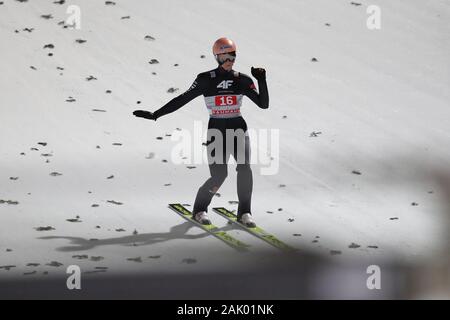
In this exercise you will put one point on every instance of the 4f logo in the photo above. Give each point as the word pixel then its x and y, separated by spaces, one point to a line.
pixel 225 84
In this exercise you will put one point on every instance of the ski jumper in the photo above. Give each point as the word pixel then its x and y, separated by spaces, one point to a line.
pixel 223 92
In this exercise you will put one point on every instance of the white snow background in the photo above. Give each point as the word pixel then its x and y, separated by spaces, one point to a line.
pixel 380 99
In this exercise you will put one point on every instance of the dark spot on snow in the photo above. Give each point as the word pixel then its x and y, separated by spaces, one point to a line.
pixel 176 65
pixel 167 184
pixel 233 202
pixel 9 202
pixel 55 174
pixel 414 204
pixel 70 99
pixel 95 205
pixel 98 110
pixel 94 271
pixel 90 78
pixel 61 2
pixel 28 30
pixel 270 212
pixel 297 234
pixel 115 202
pixel 315 134
pixel 108 91
pixel 191 167
pixel 125 17
pixel 110 3
pixel 327 24
pixel 32 67
pixel 7 268
pixel 159 138
pixel 335 252
pixel 149 38
pixel 116 144
pixel 151 155
pixel 314 60
pixel 101 268
pixel 110 177
pixel 372 247
pixel 355 3
pixel 138 259
pixel 164 160
pixel 172 90
pixel 13 178
pixel 120 230
pixel 47 16
pixel 315 241
pixel 50 54
pixel 354 245
pixel 33 264
pixel 74 220
pixel 153 61
pixel 9 250
pixel 189 261
pixel 48 228
pixel 80 257
pixel 80 41
pixel 356 172
pixel 280 209
pixel 202 56
pixel 29 273
pixel 97 258
pixel 42 143
pixel 49 46
pixel 291 220
pixel 393 218
pixel 54 264
pixel 154 257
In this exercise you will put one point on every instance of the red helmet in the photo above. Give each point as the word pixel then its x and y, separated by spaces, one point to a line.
pixel 223 45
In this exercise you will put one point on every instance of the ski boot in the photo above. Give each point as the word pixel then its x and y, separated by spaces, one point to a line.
pixel 202 218
pixel 246 220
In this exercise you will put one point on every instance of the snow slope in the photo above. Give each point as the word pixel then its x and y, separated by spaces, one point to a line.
pixel 378 97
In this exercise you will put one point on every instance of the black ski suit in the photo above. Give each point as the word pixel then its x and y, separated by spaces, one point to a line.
pixel 223 91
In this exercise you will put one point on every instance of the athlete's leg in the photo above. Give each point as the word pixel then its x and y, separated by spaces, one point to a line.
pixel 244 174
pixel 210 187
pixel 217 168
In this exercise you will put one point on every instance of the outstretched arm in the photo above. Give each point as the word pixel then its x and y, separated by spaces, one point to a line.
pixel 261 99
pixel 176 103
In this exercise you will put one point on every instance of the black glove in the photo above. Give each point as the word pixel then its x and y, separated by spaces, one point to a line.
pixel 259 73
pixel 144 114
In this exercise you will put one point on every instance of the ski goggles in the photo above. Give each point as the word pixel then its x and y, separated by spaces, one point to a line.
pixel 224 57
